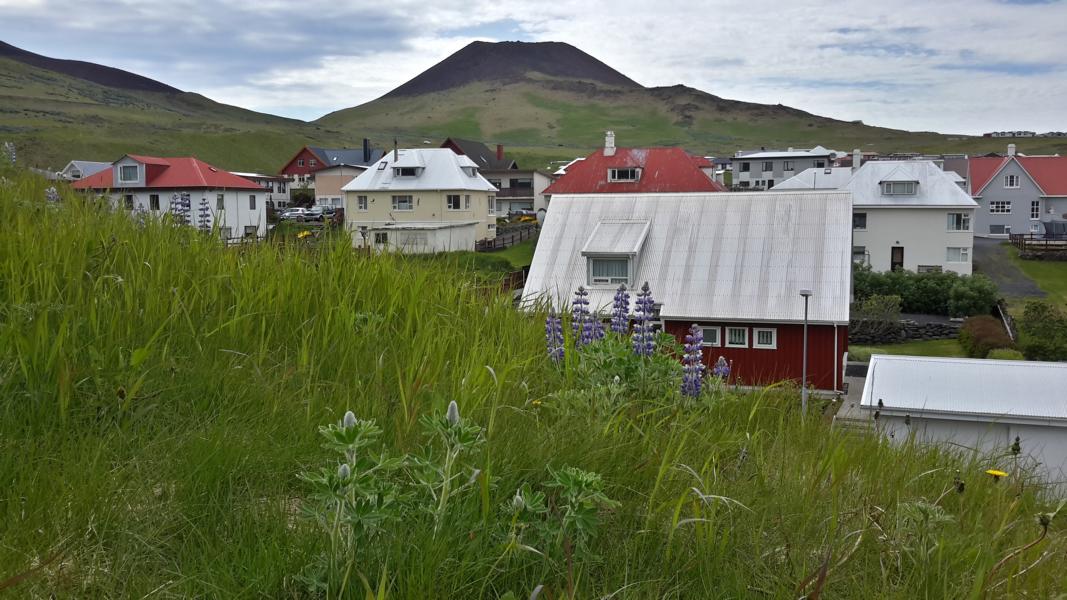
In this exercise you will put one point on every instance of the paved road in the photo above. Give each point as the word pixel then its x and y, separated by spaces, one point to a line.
pixel 991 259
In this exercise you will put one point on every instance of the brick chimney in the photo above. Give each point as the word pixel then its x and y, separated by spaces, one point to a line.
pixel 609 143
pixel 500 151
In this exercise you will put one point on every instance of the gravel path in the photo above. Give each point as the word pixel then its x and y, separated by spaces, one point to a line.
pixel 991 259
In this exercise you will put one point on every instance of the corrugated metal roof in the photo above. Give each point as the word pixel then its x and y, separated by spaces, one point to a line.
pixel 966 386
pixel 178 173
pixel 617 237
pixel 816 152
pixel 936 189
pixel 443 171
pixel 722 256
pixel 662 170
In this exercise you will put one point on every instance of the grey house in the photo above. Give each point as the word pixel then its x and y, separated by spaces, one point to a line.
pixel 761 169
pixel 1018 194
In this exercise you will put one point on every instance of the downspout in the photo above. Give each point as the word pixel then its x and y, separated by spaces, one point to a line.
pixel 836 380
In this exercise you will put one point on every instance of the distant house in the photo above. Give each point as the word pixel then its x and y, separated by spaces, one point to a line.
pixel 613 170
pixel 77 169
pixel 761 169
pixel 976 404
pixel 732 263
pixel 905 214
pixel 160 185
pixel 276 187
pixel 421 200
pixel 330 183
pixel 518 189
pixel 1018 194
pixel 301 168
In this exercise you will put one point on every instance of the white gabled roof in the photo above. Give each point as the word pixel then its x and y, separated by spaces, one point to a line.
pixel 967 387
pixel 617 237
pixel 936 189
pixel 710 256
pixel 442 170
pixel 816 152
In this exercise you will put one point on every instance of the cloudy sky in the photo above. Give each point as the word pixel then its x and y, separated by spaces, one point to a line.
pixel 955 66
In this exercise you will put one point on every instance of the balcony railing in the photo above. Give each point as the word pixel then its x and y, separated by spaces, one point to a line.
pixel 515 192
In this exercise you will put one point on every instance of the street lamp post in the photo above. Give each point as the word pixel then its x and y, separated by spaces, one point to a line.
pixel 806 293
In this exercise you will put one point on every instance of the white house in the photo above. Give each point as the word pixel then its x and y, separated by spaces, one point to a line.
pixel 275 186
pixel 906 214
pixel 420 200
pixel 77 169
pixel 236 206
pixel 978 404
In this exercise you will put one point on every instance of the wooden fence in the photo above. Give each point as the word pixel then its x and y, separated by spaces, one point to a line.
pixel 508 238
pixel 1036 242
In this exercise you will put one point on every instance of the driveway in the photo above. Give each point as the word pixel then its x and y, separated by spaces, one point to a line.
pixel 991 259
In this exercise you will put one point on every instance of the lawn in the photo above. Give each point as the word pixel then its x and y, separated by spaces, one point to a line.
pixel 161 399
pixel 520 255
pixel 949 347
pixel 1050 276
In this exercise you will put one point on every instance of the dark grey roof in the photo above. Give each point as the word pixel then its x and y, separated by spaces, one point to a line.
pixel 481 155
pixel 346 156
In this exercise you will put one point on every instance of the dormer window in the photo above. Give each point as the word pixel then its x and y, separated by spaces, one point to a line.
pixel 128 173
pixel 623 175
pixel 609 271
pixel 406 171
pixel 899 188
pixel 471 171
pixel 612 252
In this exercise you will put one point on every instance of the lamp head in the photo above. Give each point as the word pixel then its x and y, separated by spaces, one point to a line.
pixel 805 292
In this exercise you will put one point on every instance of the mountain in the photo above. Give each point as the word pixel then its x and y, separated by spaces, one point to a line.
pixel 58 110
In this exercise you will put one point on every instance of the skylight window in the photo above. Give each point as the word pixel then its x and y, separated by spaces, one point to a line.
pixel 382 165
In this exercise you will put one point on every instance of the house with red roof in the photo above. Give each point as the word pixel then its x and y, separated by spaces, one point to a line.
pixel 187 187
pixel 1019 194
pixel 612 170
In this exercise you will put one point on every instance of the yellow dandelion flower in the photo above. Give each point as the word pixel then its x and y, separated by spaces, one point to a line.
pixel 303 234
pixel 536 403
pixel 996 474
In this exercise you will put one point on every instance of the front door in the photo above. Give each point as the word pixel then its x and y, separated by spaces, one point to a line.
pixel 896 258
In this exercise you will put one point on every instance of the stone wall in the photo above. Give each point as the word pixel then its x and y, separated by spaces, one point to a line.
pixel 907 330
pixel 1052 255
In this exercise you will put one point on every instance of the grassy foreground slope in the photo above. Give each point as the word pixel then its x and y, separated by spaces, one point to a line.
pixel 159 394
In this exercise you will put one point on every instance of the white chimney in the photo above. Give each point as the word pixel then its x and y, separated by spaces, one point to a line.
pixel 857 158
pixel 1011 149
pixel 609 143
pixel 790 149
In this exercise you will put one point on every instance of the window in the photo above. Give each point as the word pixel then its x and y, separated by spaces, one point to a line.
pixel 787 165
pixel 768 166
pixel 406 171
pixel 766 339
pixel 403 203
pixel 382 165
pixel 737 337
pixel 1011 181
pixel 452 202
pixel 128 173
pixel 1000 207
pixel 492 205
pixel 361 203
pixel 743 184
pixel 220 201
pixel 252 202
pixel 958 255
pixel 522 184
pixel 999 229
pixel 313 162
pixel 928 269
pixel 153 201
pixel 1035 228
pixel 381 237
pixel 299 162
pixel 627 174
pixel 820 164
pixel 225 232
pixel 611 271
pixel 494 182
pixel 467 202
pixel 959 222
pixel 1035 210
pixel 859 221
pixel 745 167
pixel 128 201
pixel 711 337
pixel 492 226
pixel 898 188
pixel 251 231
pixel 859 254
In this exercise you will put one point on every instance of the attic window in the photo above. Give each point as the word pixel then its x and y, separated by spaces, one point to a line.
pixel 609 271
pixel 406 171
pixel 470 171
pixel 899 188
pixel 128 173
pixel 613 250
pixel 624 175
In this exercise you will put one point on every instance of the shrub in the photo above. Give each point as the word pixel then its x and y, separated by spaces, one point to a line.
pixel 1005 354
pixel 1043 332
pixel 981 334
pixel 876 316
pixel 974 295
pixel 945 293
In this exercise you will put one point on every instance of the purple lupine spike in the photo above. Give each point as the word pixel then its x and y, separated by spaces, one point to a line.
pixel 721 368
pixel 10 153
pixel 643 337
pixel 598 329
pixel 179 208
pixel 52 194
pixel 581 321
pixel 693 362
pixel 620 311
pixel 554 336
pixel 203 217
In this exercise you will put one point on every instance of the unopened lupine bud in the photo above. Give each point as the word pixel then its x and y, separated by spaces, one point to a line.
pixel 344 471
pixel 453 413
pixel 349 420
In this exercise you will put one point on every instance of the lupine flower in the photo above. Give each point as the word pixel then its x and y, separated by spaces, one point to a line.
pixel 554 336
pixel 598 328
pixel 349 420
pixel 203 217
pixel 180 207
pixel 9 152
pixel 343 472
pixel 722 368
pixel 581 322
pixel 692 362
pixel 643 336
pixel 452 415
pixel 620 311
pixel 51 194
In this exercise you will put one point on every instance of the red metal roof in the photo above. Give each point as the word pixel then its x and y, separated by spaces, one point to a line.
pixel 663 170
pixel 176 173
pixel 982 169
pixel 1050 173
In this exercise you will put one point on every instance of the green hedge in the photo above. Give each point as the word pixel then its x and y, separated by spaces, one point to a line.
pixel 1043 331
pixel 945 293
pixel 1005 354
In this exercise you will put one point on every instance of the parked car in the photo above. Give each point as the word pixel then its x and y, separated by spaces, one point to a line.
pixel 328 212
pixel 315 213
pixel 293 214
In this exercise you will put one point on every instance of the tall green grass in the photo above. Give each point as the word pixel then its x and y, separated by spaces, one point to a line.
pixel 159 394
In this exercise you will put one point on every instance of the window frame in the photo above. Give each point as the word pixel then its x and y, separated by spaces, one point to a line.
pixel 746 167
pixel 396 203
pixel 381 238
pixel 729 343
pixel 136 174
pixel 608 281
pixel 964 255
pixel 448 202
pixel 466 201
pixel 858 214
pixel 362 204
pixel 910 188
pixel 1001 204
pixel 251 231
pixel 299 162
pixel 220 201
pixel 613 175
pixel 406 171
pixel 963 218
pixel 129 201
pixel 717 343
pixel 1035 210
pixel 862 253
pixel 1012 182
pixel 774 338
pixel 789 165
pixel 768 166
pixel 153 202
pixel 492 205
pixel 251 202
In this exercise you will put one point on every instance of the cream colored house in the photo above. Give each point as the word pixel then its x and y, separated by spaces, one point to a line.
pixel 420 200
